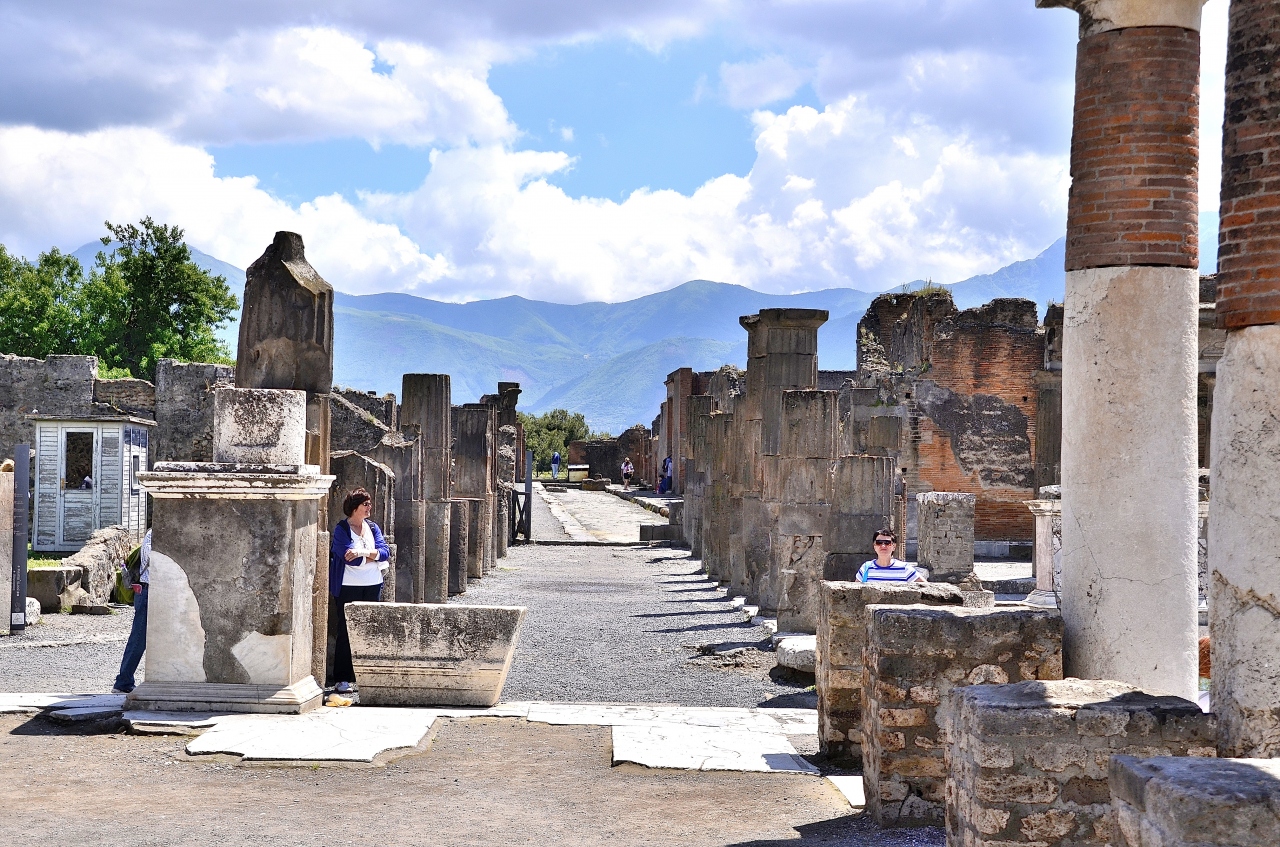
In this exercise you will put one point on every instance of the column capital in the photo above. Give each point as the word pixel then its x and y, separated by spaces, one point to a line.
pixel 1104 15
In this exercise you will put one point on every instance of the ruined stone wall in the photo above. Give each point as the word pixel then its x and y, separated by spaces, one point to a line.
pixel 604 456
pixel 58 385
pixel 384 408
pixel 135 396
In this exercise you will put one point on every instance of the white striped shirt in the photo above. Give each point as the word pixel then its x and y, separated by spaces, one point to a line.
pixel 896 572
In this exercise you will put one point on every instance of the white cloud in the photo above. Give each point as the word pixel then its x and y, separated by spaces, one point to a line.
pixel 749 85
pixel 566 133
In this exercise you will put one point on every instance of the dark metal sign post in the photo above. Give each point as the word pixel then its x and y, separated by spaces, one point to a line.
pixel 21 491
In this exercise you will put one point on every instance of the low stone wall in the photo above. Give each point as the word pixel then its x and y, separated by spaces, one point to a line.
pixel 100 558
pixel 842 636
pixel 1028 762
pixel 1192 802
pixel 916 655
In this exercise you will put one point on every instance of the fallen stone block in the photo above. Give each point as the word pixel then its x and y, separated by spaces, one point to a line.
pixel 595 485
pixel 1027 763
pixel 46 584
pixel 1195 802
pixel 424 654
pixel 33 611
pixel 797 652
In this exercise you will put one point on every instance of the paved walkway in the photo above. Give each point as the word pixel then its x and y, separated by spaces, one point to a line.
pixel 597 515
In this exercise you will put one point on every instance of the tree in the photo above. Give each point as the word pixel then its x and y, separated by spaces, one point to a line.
pixel 39 303
pixel 143 300
pixel 146 300
pixel 551 432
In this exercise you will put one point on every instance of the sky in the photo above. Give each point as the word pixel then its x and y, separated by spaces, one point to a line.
pixel 563 150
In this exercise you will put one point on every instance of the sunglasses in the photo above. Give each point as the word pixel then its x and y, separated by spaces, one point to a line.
pixel 884 542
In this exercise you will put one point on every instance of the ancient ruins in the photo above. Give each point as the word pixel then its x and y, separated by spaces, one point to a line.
pixel 1123 444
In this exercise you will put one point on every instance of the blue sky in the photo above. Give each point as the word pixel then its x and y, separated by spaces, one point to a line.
pixel 566 150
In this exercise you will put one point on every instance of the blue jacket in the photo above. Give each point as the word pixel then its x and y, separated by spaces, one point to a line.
pixel 341 543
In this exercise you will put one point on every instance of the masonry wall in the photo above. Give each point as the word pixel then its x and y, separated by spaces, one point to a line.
pixel 184 410
pixel 58 385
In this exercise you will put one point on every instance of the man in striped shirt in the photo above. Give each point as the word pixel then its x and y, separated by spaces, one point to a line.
pixel 885 568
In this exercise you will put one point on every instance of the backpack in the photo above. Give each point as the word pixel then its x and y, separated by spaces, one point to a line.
pixel 133 565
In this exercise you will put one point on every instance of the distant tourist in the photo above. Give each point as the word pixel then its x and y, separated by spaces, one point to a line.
pixel 885 568
pixel 555 465
pixel 138 571
pixel 627 470
pixel 358 556
pixel 665 486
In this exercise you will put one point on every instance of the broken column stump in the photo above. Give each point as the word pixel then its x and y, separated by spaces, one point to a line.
pixel 915 656
pixel 842 636
pixel 1028 762
pixel 946 534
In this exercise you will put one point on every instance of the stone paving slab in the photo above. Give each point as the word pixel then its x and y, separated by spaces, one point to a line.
pixel 666 736
pixel 18 703
pixel 598 515
pixel 684 746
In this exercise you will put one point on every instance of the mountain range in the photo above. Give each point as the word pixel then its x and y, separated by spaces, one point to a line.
pixel 606 360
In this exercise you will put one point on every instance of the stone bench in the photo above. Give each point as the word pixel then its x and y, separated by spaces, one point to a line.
pixel 1028 762
pixel 915 657
pixel 1192 802
pixel 427 654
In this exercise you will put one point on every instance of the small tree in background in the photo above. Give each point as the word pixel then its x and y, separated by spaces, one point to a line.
pixel 551 432
pixel 144 300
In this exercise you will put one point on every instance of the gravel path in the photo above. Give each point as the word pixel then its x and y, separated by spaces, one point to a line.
pixel 66 653
pixel 625 624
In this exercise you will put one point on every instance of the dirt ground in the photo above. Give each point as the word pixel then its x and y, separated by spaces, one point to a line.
pixel 477 782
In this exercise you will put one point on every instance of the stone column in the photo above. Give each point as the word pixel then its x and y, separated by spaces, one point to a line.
pixel 233 558
pixel 1047 551
pixel 945 535
pixel 797 494
pixel 1244 604
pixel 1129 346
pixel 473 479
pixel 700 408
pixel 425 405
pixel 459 538
pixel 861 505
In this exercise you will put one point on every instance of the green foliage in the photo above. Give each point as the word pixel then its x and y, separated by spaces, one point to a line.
pixel 142 301
pixel 551 432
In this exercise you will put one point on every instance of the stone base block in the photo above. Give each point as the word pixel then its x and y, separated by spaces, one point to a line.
pixel 797 653
pixel 661 532
pixel 842 636
pixel 45 584
pixel 1028 762
pixel 915 657
pixel 1194 802
pixel 408 654
pixel 225 697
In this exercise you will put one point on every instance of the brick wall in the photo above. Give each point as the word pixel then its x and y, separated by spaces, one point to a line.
pixel 1134 150
pixel 1249 239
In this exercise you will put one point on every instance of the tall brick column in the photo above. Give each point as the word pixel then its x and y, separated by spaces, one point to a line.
pixel 425 405
pixel 1129 347
pixel 1244 607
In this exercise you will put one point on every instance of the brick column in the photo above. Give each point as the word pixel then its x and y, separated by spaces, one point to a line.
pixel 1244 607
pixel 1129 347
pixel 425 405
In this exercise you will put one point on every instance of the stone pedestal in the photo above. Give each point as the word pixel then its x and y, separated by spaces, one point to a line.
pixel 431 655
pixel 916 655
pixel 945 534
pixel 1183 802
pixel 1047 555
pixel 1028 763
pixel 842 636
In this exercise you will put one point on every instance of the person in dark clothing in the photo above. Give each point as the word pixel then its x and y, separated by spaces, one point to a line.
pixel 358 555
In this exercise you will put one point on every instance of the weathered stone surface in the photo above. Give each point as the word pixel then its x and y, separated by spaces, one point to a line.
pixel 1130 398
pixel 1028 761
pixel 46 585
pixel 1195 802
pixel 1244 605
pixel 259 426
pixel 861 505
pixel 6 548
pixel 842 637
pixel 232 567
pixel 799 562
pixel 99 560
pixel 184 409
pixel 431 654
pixel 915 656
pixel 425 400
pixel 55 385
pixel 286 323
pixel 459 537
pixel 797 652
pixel 946 534
pixel 382 408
